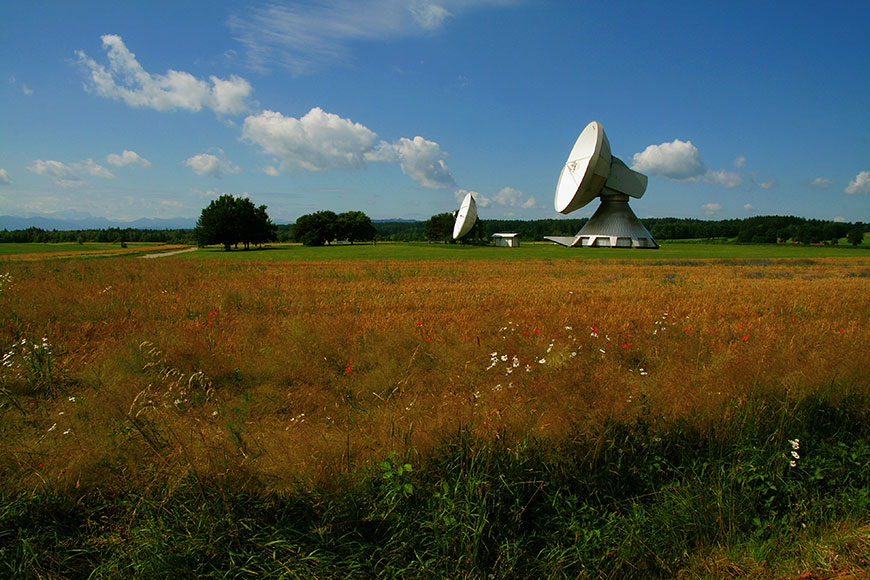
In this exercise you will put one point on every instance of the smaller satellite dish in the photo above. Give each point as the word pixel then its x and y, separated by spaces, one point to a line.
pixel 466 217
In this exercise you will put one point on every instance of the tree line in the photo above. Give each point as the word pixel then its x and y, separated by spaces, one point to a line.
pixel 756 230
pixel 325 227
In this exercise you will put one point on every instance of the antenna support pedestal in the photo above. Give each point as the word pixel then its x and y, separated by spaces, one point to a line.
pixel 613 225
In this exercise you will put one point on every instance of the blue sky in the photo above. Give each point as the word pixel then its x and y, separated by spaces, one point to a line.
pixel 398 108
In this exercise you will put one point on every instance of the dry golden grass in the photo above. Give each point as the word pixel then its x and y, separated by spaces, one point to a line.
pixel 270 373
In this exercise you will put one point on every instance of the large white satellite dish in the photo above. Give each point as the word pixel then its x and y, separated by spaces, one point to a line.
pixel 591 171
pixel 466 217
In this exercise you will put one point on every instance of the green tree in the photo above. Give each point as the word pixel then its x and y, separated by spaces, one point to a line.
pixel 355 226
pixel 856 235
pixel 439 227
pixel 315 229
pixel 230 221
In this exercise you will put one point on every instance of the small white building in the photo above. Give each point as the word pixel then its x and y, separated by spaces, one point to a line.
pixel 507 240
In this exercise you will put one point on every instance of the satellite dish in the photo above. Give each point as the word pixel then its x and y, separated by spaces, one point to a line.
pixel 466 217
pixel 591 171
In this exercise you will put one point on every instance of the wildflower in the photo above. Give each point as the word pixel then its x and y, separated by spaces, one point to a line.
pixel 626 345
pixel 419 323
pixel 745 337
pixel 795 455
pixel 428 339
pixel 542 361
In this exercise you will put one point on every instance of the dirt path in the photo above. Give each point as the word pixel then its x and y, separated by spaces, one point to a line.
pixel 170 253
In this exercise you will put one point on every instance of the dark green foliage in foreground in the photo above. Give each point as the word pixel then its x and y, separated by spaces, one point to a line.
pixel 638 500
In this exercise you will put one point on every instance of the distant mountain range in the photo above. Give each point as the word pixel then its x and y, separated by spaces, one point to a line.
pixel 89 222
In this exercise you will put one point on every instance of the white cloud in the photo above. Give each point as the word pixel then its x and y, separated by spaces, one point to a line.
pixel 317 141
pixel 94 169
pixel 211 165
pixel 321 141
pixel 270 170
pixel 506 197
pixel 304 37
pixel 54 169
pixel 69 176
pixel 840 219
pixel 422 161
pixel 748 207
pixel 127 158
pixel 822 182
pixel 428 15
pixel 126 80
pixel 24 88
pixel 711 208
pixel 729 179
pixel 860 184
pixel 679 160
pixel 4 177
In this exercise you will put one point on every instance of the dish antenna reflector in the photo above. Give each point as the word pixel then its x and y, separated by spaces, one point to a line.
pixel 466 216
pixel 591 171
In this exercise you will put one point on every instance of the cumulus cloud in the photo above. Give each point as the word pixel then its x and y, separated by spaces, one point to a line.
pixel 422 160
pixel 211 165
pixel 320 141
pixel 681 161
pixel 678 160
pixel 860 184
pixel 69 175
pixel 729 179
pixel 315 142
pixel 127 158
pixel 306 36
pixel 506 197
pixel 124 79
pixel 822 182
pixel 748 207
pixel 711 208
pixel 4 177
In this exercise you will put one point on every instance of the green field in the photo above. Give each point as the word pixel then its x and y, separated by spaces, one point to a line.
pixel 531 251
pixel 66 248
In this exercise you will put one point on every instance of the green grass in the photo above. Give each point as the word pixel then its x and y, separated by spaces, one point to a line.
pixel 36 248
pixel 527 251
pixel 642 499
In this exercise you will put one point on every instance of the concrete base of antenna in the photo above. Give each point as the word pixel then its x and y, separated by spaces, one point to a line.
pixel 613 225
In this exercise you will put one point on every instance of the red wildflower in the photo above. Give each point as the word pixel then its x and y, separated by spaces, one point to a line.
pixel 745 337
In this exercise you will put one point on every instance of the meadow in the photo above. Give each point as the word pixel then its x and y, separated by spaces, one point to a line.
pixel 414 411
